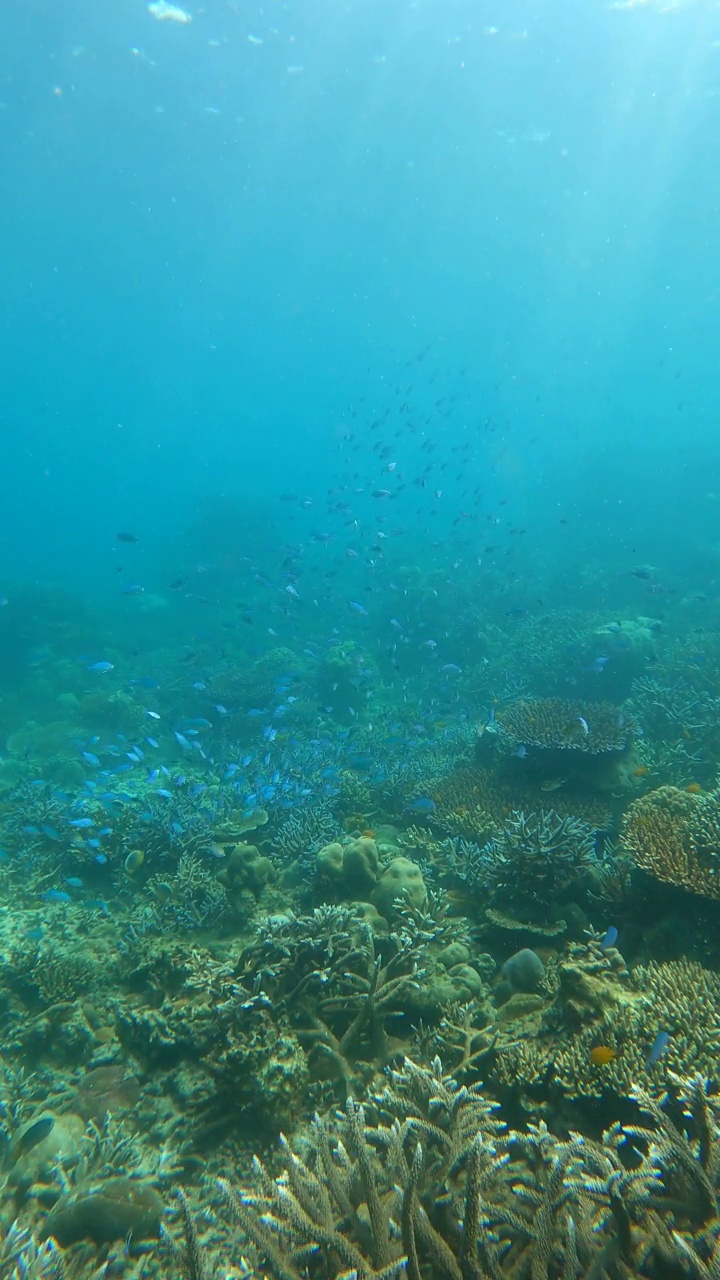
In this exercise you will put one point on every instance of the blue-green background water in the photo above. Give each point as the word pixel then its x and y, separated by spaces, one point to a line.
pixel 218 236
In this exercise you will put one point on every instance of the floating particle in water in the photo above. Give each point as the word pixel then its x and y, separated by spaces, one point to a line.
pixel 165 12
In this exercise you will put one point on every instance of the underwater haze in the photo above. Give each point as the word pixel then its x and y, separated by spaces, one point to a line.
pixel 359 640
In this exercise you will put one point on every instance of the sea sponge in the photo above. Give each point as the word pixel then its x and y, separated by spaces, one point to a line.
pixel 401 879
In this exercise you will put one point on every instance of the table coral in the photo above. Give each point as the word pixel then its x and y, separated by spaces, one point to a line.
pixel 565 725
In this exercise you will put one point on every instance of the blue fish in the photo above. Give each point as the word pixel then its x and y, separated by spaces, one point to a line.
pixel 55 895
pixel 598 665
pixel 359 608
pixel 661 1046
pixel 82 823
pixel 102 666
pixel 90 758
pixel 134 590
pixel 152 742
pixel 50 832
pixel 422 805
pixel 182 741
pixel 97 904
pixel 360 764
pixel 74 881
pixel 161 791
pixel 611 937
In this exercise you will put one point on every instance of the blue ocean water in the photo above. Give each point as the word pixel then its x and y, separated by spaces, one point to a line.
pixel 228 239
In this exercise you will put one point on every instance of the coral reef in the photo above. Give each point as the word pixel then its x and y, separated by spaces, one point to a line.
pixel 675 836
pixel 562 725
pixel 535 858
pixel 428 1179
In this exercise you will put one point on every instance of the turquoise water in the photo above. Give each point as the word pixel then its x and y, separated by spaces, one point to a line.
pixel 359 635
pixel 221 234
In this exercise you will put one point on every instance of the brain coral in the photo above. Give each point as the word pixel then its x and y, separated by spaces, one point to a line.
pixel 563 725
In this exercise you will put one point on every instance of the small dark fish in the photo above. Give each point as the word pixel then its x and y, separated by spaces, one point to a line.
pixel 126 537
pixel 31 1136
pixel 177 583
pixel 661 1046
pixel 611 937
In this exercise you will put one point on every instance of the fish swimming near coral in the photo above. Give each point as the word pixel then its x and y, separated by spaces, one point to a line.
pixel 610 938
pixel 602 1055
pixel 659 1048
pixel 31 1135
pixel 134 861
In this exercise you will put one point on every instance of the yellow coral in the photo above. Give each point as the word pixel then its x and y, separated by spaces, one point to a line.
pixel 672 835
pixel 565 725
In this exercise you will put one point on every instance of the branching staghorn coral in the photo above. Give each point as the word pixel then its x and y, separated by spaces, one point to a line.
pixel 189 898
pixel 674 710
pixel 306 831
pixel 22 1257
pixel 535 857
pixel 426 1177
pixel 337 983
